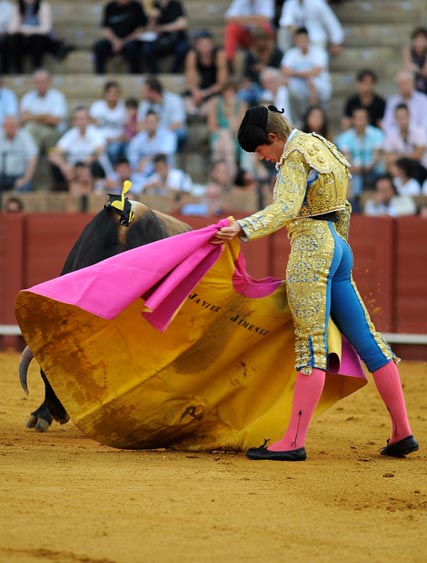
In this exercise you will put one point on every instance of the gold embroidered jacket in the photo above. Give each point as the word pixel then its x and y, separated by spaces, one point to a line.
pixel 295 196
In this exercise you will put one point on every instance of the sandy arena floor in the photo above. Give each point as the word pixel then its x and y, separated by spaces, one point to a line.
pixel 67 499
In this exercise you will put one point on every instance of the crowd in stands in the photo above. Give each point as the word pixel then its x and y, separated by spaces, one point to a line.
pixel 272 53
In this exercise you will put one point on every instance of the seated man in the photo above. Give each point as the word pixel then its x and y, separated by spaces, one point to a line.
pixel 387 202
pixel 166 180
pixel 43 111
pixel 122 24
pixel 169 107
pixel 363 146
pixel 305 66
pixel 168 26
pixel 82 143
pixel 149 142
pixel 18 156
pixel 365 97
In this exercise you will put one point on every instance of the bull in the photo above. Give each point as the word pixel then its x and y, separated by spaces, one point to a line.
pixel 121 225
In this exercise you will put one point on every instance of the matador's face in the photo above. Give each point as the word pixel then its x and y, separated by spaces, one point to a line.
pixel 271 152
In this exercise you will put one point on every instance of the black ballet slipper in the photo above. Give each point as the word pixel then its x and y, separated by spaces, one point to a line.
pixel 263 453
pixel 400 448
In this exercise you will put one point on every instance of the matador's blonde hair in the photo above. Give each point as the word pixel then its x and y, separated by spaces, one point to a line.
pixel 277 123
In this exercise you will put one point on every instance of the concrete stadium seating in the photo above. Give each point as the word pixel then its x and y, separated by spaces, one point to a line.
pixel 375 32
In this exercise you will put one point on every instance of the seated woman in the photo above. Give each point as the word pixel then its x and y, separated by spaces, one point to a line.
pixel 315 120
pixel 415 58
pixel 205 73
pixel 29 34
pixel 224 116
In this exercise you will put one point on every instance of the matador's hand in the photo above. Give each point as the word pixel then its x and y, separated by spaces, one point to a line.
pixel 226 234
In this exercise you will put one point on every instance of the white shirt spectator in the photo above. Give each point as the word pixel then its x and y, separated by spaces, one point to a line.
pixel 6 9
pixel 317 17
pixel 79 148
pixel 241 8
pixel 45 21
pixel 109 121
pixel 417 106
pixel 8 103
pixel 397 207
pixel 176 181
pixel 411 187
pixel 424 188
pixel 15 153
pixel 417 137
pixel 52 103
pixel 296 60
pixel 141 146
pixel 171 110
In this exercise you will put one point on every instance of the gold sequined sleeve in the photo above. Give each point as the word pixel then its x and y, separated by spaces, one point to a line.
pixel 288 197
pixel 342 226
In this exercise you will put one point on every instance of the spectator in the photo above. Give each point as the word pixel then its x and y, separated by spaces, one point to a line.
pixel 275 90
pixel 205 73
pixel 109 116
pixel 149 142
pixel 362 145
pixel 18 156
pixel 166 180
pixel 29 33
pixel 43 112
pixel 240 18
pixel 404 172
pixel 122 24
pixel 82 182
pixel 13 205
pixel 8 102
pixel 130 128
pixel 315 120
pixel 82 143
pixel 168 26
pixel 416 102
pixel 168 106
pixel 387 202
pixel 6 10
pixel 415 58
pixel 263 53
pixel 406 140
pixel 305 66
pixel 367 98
pixel 322 24
pixel 225 115
pixel 115 179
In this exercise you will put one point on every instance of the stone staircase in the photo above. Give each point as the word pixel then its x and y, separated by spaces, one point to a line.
pixel 375 32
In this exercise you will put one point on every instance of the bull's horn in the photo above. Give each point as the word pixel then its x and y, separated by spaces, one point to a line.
pixel 24 363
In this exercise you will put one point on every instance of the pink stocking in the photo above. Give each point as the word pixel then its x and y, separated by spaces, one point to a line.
pixel 307 392
pixel 389 387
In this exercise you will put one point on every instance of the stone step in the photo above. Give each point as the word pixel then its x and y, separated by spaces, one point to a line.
pixel 373 35
pixel 374 11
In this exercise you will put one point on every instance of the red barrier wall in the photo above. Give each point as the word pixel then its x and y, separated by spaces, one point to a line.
pixel 410 275
pixel 390 262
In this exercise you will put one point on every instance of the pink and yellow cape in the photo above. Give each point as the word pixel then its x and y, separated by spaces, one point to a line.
pixel 173 344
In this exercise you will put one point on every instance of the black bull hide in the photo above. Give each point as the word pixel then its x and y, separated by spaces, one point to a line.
pixel 102 238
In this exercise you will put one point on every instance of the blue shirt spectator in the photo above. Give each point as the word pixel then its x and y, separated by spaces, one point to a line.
pixel 8 102
pixel 363 145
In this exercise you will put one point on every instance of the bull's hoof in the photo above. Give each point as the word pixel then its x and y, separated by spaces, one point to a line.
pixel 64 419
pixel 40 419
pixel 42 425
pixel 32 421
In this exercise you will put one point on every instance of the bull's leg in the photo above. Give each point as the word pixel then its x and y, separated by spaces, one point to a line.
pixel 50 409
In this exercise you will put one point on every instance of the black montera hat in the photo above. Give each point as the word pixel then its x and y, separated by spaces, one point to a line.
pixel 253 129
